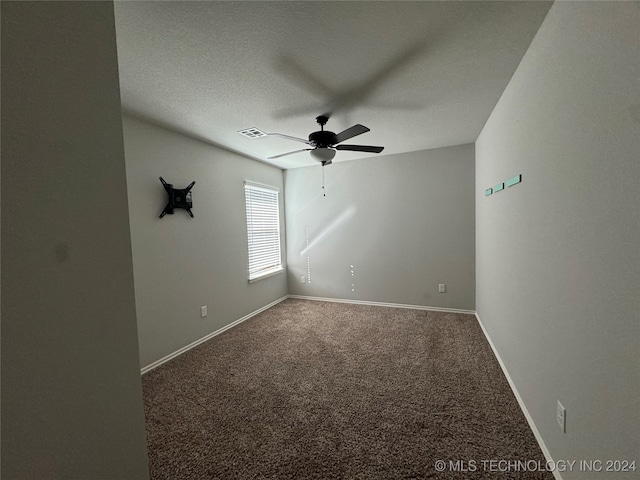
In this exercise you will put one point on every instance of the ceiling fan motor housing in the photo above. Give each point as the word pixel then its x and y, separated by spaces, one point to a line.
pixel 323 139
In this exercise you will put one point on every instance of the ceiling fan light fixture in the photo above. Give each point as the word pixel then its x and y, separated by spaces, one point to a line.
pixel 323 154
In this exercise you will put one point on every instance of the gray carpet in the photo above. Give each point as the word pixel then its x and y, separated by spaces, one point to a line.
pixel 319 390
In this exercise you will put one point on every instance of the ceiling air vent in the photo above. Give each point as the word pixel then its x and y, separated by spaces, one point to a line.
pixel 252 133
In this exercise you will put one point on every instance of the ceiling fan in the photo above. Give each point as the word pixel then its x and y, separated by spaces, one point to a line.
pixel 324 143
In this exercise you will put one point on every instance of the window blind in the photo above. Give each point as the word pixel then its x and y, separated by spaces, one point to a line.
pixel 263 230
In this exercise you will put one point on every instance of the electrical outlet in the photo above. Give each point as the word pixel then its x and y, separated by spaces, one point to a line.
pixel 442 288
pixel 303 279
pixel 561 417
pixel 203 311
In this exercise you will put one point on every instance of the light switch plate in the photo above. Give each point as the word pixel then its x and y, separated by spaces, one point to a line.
pixel 561 417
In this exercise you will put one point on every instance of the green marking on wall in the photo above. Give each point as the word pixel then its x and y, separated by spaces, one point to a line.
pixel 514 180
pixel 501 186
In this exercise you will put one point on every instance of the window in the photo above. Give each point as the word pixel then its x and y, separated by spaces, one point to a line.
pixel 263 230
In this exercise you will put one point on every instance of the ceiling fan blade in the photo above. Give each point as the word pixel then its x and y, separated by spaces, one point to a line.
pixel 303 77
pixel 296 111
pixel 288 153
pixel 360 148
pixel 351 132
pixel 289 137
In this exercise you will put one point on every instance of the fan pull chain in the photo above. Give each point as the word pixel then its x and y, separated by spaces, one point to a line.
pixel 324 192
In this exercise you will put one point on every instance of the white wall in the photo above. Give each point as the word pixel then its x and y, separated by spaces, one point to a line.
pixel 405 222
pixel 558 256
pixel 71 390
pixel 182 263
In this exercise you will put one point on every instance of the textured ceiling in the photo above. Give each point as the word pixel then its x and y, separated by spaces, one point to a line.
pixel 420 75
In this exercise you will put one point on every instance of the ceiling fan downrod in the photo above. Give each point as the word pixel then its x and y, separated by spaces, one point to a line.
pixel 322 121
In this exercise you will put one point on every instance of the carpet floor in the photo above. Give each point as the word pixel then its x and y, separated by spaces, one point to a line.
pixel 320 390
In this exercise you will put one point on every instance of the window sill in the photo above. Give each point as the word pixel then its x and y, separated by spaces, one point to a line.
pixel 266 274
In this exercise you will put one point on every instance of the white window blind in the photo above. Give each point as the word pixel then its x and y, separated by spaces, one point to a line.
pixel 263 230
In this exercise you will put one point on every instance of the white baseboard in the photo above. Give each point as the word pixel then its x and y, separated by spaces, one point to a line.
pixel 157 363
pixel 383 304
pixel 165 359
pixel 523 407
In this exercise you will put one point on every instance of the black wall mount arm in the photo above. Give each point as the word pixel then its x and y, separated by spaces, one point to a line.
pixel 178 198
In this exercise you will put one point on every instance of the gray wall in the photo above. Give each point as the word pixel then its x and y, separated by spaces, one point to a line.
pixel 181 263
pixel 558 257
pixel 71 396
pixel 405 222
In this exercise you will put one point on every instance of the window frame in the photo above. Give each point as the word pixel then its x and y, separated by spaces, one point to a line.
pixel 254 191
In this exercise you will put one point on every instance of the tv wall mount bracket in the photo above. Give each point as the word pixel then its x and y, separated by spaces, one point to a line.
pixel 178 198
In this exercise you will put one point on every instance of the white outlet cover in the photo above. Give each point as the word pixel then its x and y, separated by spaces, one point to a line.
pixel 203 311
